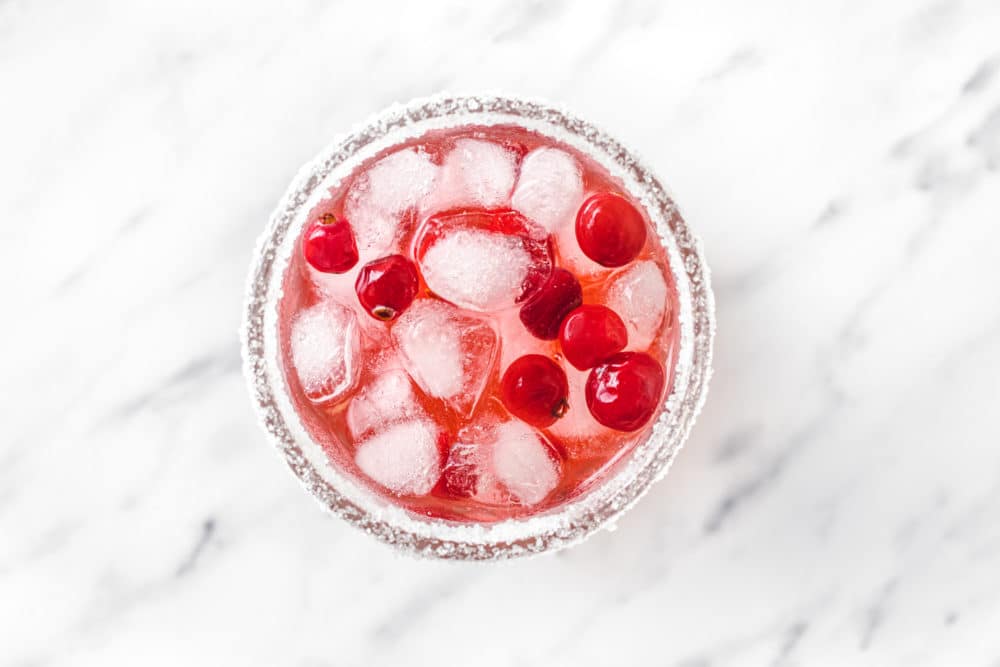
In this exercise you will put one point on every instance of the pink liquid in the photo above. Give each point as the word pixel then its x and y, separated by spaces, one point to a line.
pixel 583 451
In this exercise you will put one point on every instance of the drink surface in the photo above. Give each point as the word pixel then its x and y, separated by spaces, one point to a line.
pixel 448 338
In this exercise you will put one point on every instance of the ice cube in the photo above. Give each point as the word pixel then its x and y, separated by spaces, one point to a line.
pixel 483 260
pixel 499 462
pixel 326 346
pixel 462 473
pixel 448 353
pixel 524 462
pixel 474 173
pixel 325 343
pixel 484 271
pixel 403 458
pixel 640 297
pixel 377 200
pixel 549 189
pixel 388 399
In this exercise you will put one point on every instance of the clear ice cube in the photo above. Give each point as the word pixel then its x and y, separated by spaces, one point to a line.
pixel 483 260
pixel 474 173
pixel 524 463
pixel 388 399
pixel 404 458
pixel 448 353
pixel 377 200
pixel 640 297
pixel 461 474
pixel 549 188
pixel 475 269
pixel 326 347
pixel 500 463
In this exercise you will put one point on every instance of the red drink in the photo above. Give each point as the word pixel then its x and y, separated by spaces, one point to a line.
pixel 448 338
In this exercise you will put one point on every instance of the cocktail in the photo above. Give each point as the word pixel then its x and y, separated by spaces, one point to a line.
pixel 478 328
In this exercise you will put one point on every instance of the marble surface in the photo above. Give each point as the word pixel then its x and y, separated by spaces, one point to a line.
pixel 839 500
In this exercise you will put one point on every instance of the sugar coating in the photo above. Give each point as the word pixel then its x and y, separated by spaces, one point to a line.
pixel 325 350
pixel 474 173
pixel 448 353
pixel 404 458
pixel 640 297
pixel 549 189
pixel 522 463
pixel 475 269
pixel 388 399
pixel 378 198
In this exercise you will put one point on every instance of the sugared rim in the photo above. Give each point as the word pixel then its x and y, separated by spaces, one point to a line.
pixel 553 529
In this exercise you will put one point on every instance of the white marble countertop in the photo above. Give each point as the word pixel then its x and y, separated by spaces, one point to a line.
pixel 839 501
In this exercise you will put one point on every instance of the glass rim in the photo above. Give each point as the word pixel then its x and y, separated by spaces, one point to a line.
pixel 563 525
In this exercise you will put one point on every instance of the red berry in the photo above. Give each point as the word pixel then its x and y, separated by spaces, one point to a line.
pixel 623 392
pixel 591 334
pixel 610 230
pixel 544 312
pixel 329 245
pixel 386 287
pixel 535 389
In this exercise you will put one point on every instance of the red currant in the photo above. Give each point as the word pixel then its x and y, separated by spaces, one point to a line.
pixel 544 312
pixel 386 287
pixel 610 230
pixel 329 245
pixel 535 389
pixel 624 391
pixel 591 334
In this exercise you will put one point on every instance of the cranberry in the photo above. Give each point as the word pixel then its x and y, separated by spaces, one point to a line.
pixel 610 230
pixel 535 389
pixel 623 392
pixel 545 311
pixel 386 287
pixel 591 334
pixel 329 245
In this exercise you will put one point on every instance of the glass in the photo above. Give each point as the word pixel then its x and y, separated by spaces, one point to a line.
pixel 548 530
